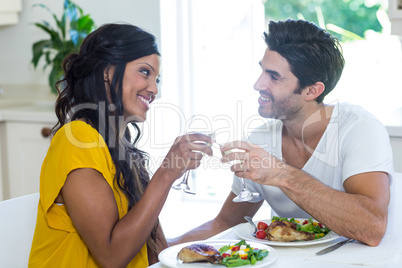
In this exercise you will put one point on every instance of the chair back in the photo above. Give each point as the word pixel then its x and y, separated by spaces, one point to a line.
pixel 17 226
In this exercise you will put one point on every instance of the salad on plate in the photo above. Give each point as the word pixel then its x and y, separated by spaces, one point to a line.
pixel 241 254
pixel 307 229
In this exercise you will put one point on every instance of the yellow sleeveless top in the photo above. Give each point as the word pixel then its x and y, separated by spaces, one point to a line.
pixel 56 242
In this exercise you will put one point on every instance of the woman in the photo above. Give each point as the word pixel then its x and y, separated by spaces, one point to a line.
pixel 98 206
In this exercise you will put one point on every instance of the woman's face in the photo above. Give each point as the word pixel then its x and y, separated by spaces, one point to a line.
pixel 140 86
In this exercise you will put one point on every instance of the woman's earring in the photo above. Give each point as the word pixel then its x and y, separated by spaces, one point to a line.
pixel 105 75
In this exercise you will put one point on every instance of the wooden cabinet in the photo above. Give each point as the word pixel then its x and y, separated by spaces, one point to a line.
pixel 9 11
pixel 395 16
pixel 23 153
pixel 24 140
pixel 2 169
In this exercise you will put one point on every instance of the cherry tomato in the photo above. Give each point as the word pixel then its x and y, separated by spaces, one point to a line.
pixel 225 255
pixel 261 234
pixel 305 222
pixel 244 257
pixel 262 226
pixel 236 248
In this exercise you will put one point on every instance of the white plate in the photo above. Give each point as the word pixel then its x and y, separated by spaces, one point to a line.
pixel 169 256
pixel 245 230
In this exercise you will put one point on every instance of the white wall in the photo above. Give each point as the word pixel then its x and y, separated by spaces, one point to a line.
pixel 16 40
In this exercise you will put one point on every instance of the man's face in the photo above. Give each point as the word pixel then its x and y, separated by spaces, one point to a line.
pixel 277 86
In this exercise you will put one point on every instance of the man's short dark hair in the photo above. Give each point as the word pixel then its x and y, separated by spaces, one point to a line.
pixel 313 54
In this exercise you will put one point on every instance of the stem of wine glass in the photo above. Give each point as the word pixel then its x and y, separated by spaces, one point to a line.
pixel 245 194
pixel 183 185
pixel 185 179
pixel 243 185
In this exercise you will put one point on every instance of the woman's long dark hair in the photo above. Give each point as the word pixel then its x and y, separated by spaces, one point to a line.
pixel 82 94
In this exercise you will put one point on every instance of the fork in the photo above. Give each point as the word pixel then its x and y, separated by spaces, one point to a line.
pixel 250 220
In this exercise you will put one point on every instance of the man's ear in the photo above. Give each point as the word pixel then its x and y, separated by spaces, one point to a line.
pixel 315 90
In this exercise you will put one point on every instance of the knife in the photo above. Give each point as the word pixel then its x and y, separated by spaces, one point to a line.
pixel 333 247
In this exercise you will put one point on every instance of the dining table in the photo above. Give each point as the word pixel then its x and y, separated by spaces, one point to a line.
pixel 388 254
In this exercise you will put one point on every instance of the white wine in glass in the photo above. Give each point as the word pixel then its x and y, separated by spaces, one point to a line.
pixel 183 185
pixel 245 194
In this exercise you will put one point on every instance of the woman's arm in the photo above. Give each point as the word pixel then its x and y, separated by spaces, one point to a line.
pixel 91 205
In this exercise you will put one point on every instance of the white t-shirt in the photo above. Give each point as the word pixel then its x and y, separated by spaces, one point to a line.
pixel 354 142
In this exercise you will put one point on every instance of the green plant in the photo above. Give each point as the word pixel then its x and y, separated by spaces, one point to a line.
pixel 71 29
pixel 351 17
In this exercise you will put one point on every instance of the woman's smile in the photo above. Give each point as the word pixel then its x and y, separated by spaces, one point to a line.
pixel 145 100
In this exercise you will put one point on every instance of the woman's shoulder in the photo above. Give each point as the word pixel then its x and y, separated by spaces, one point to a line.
pixel 76 126
pixel 80 133
pixel 83 144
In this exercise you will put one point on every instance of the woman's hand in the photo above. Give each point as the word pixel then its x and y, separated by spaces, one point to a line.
pixel 253 162
pixel 186 153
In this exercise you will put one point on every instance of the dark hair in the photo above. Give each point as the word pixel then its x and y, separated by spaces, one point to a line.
pixel 82 94
pixel 312 53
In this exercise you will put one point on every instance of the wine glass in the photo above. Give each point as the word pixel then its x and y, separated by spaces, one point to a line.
pixel 183 185
pixel 245 194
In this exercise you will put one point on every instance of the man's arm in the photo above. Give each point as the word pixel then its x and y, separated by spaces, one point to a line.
pixel 230 215
pixel 360 213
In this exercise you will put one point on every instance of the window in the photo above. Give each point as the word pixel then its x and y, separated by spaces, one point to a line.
pixel 371 77
pixel 211 51
pixel 210 54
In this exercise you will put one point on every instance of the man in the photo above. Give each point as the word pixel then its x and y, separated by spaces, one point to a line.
pixel 329 162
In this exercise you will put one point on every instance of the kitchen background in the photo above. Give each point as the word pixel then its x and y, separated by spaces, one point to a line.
pixel 210 54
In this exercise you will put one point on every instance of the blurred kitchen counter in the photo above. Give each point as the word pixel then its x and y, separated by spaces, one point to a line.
pixel 26 103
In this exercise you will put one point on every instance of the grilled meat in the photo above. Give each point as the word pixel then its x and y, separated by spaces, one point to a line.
pixel 199 253
pixel 285 231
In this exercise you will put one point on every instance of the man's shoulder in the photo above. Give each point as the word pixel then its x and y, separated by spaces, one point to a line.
pixel 353 118
pixel 347 112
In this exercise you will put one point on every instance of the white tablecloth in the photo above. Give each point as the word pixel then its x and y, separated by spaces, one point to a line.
pixel 387 255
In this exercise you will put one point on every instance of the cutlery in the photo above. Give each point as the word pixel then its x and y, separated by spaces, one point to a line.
pixel 333 247
pixel 250 220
